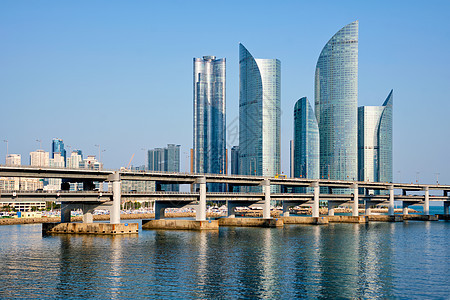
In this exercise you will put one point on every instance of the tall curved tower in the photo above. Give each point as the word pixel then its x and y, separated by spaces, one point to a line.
pixel 385 138
pixel 259 115
pixel 209 141
pixel 336 105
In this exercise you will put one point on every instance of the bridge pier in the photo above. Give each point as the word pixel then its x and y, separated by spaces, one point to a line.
pixel 286 206
pixel 426 206
pixel 446 205
pixel 405 206
pixel 66 210
pixel 114 213
pixel 231 206
pixel 391 211
pixel 355 212
pixel 331 206
pixel 266 207
pixel 201 211
pixel 367 208
pixel 315 209
pixel 87 213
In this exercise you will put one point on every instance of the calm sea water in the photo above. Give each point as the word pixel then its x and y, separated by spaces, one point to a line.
pixel 378 260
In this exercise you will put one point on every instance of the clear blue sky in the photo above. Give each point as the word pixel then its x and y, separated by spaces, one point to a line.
pixel 119 73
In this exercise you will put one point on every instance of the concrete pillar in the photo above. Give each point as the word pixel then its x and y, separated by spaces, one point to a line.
pixel 87 215
pixel 159 210
pixel 315 210
pixel 286 208
pixel 114 213
pixel 426 206
pixel 446 205
pixel 230 209
pixel 66 209
pixel 391 201
pixel 368 210
pixel 331 206
pixel 355 212
pixel 201 211
pixel 404 192
pixel 445 193
pixel 405 207
pixel 266 189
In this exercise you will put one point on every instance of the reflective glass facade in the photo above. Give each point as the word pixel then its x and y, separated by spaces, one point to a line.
pixel 209 117
pixel 259 115
pixel 375 142
pixel 336 104
pixel 58 147
pixel 306 142
pixel 166 160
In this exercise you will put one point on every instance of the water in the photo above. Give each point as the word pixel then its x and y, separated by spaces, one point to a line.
pixel 405 260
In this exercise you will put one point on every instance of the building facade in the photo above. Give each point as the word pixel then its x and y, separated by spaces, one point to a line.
pixel 259 115
pixel 58 147
pixel 165 160
pixel 306 142
pixel 13 160
pixel 375 156
pixel 234 160
pixel 336 105
pixel 209 136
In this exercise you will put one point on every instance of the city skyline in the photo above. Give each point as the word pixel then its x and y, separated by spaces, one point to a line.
pixel 104 92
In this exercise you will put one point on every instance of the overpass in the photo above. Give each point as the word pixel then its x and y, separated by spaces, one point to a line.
pixel 90 200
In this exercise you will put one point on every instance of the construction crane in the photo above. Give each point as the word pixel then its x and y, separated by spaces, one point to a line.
pixel 129 163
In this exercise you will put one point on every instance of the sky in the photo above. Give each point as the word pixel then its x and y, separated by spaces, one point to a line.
pixel 119 73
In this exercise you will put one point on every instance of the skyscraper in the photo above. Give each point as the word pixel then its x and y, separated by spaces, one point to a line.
pixel 166 160
pixel 375 142
pixel 306 141
pixel 336 104
pixel 234 160
pixel 259 115
pixel 58 147
pixel 209 144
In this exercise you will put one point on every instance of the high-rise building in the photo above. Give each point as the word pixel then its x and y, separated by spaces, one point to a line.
pixel 57 161
pixel 259 115
pixel 13 160
pixel 165 160
pixel 39 158
pixel 234 160
pixel 336 104
pixel 375 142
pixel 209 141
pixel 306 141
pixel 58 147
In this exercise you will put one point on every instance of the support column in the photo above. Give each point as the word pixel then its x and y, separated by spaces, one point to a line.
pixel 355 212
pixel 286 208
pixel 65 212
pixel 266 207
pixel 114 213
pixel 230 209
pixel 446 205
pixel 201 211
pixel 405 207
pixel 426 206
pixel 391 211
pixel 160 210
pixel 331 206
pixel 87 214
pixel 315 210
pixel 368 210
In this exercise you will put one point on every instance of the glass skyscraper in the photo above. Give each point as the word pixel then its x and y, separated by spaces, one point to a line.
pixel 209 118
pixel 58 147
pixel 166 160
pixel 306 142
pixel 259 115
pixel 375 142
pixel 336 105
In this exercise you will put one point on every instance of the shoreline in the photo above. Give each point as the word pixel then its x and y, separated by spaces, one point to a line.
pixel 244 213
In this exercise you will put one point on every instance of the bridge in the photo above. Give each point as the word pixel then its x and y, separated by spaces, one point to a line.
pixel 90 200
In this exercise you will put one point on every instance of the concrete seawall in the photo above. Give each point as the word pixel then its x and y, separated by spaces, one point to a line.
pixel 90 228
pixel 306 220
pixel 251 222
pixel 180 224
pixel 347 219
